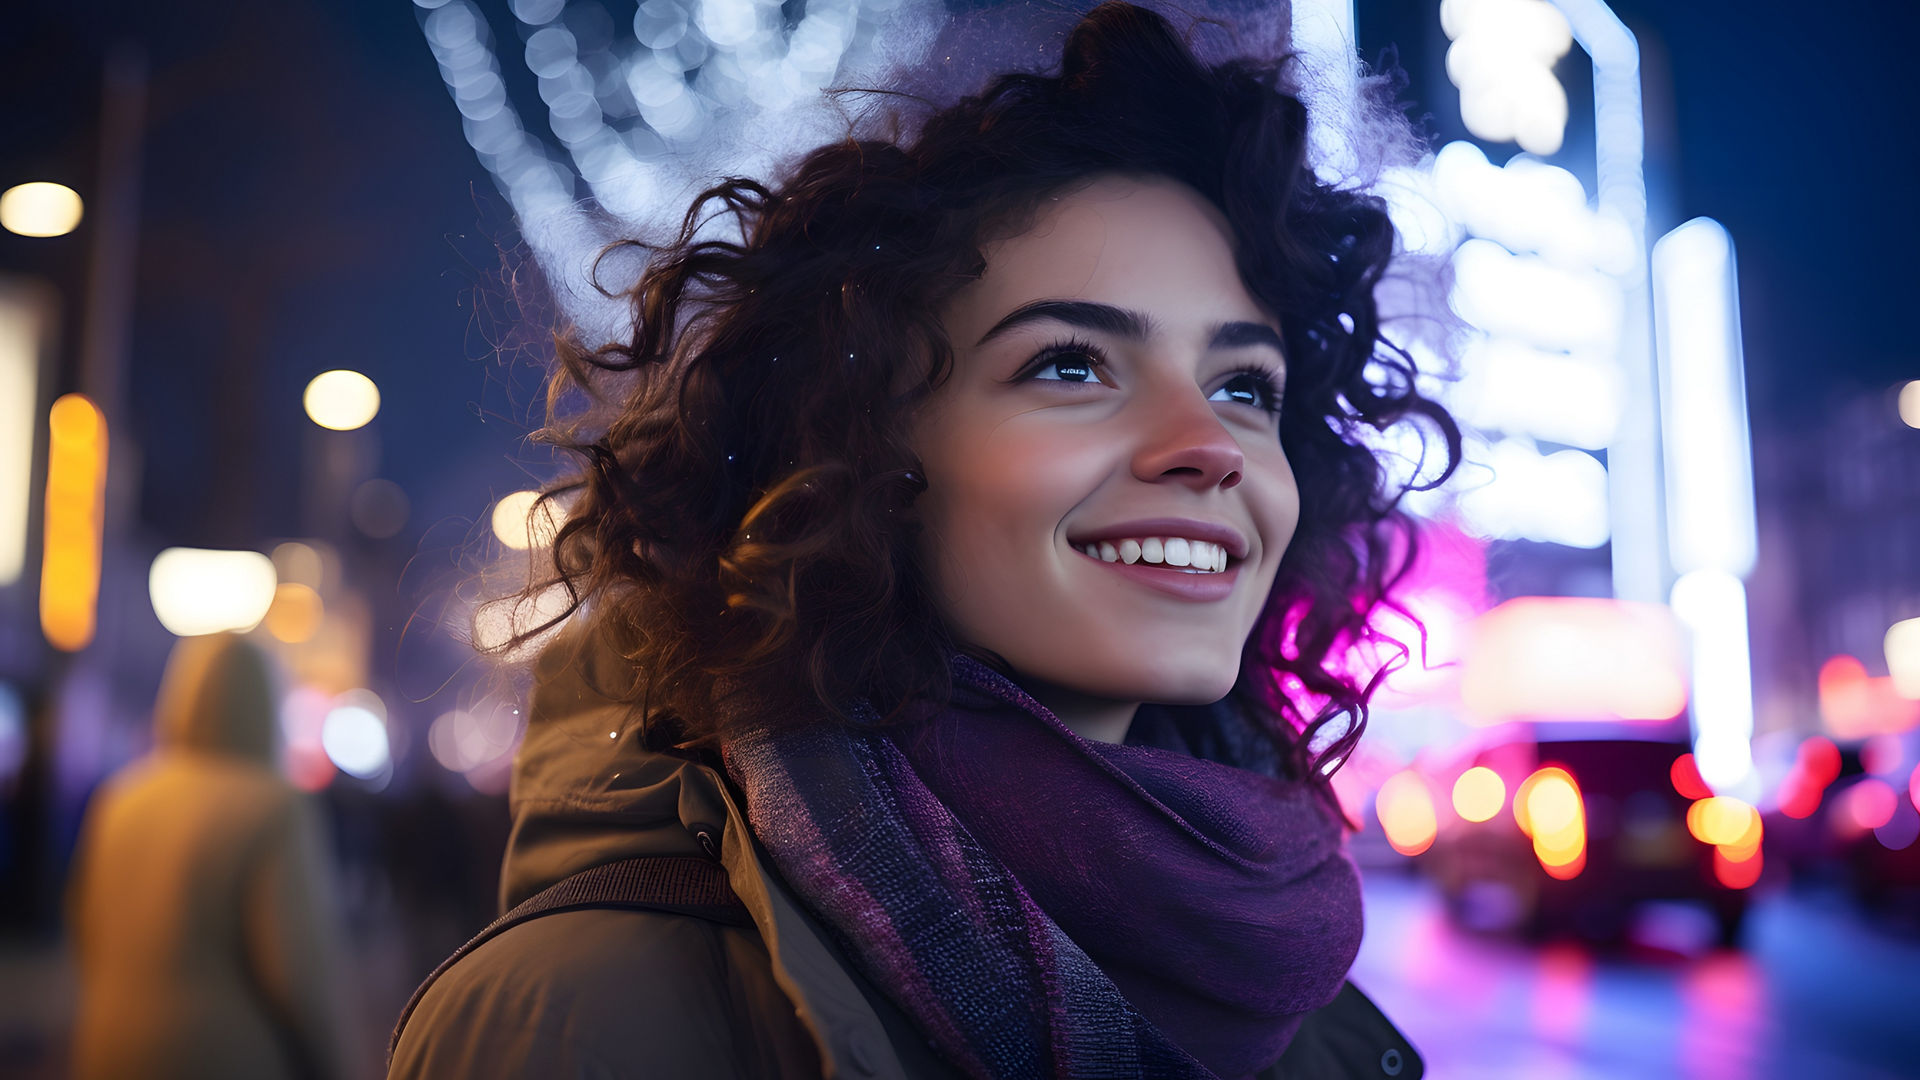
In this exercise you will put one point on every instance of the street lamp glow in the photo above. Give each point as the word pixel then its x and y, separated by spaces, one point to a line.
pixel 1910 404
pixel 521 521
pixel 201 591
pixel 1902 645
pixel 40 209
pixel 342 400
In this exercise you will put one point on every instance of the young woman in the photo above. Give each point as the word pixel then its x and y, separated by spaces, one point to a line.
pixel 965 559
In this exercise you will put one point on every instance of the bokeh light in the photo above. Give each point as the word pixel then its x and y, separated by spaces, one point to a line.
pixel 478 742
pixel 1736 873
pixel 1549 809
pixel 1686 778
pixel 296 613
pixel 341 400
pixel 354 734
pixel 1870 803
pixel 203 591
pixel 1479 794
pixel 1815 765
pixel 497 622
pixel 521 521
pixel 1910 404
pixel 40 209
pixel 76 487
pixel 1855 704
pixel 1574 658
pixel 1902 647
pixel 1405 808
pixel 302 716
pixel 1722 820
pixel 301 563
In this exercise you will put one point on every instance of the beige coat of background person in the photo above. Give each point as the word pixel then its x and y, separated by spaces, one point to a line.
pixel 200 898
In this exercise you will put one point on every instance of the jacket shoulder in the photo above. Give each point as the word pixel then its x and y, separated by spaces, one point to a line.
pixel 603 992
pixel 1347 1039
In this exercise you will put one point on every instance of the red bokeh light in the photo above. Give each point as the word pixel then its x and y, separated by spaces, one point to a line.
pixel 1820 758
pixel 1686 778
pixel 1736 875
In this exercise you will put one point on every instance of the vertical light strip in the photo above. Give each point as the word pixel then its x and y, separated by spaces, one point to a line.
pixel 1710 509
pixel 1633 458
pixel 1712 605
pixel 21 327
pixel 76 491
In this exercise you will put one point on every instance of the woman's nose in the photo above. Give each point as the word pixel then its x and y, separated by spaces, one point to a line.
pixel 1183 441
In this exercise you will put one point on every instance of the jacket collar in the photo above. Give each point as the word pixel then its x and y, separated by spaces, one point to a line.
pixel 586 792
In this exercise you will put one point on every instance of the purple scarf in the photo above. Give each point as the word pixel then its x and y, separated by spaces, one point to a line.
pixel 1046 906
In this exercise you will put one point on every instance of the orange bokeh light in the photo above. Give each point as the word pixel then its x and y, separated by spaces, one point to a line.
pixel 1405 808
pixel 75 494
pixel 1548 808
pixel 1479 794
pixel 1722 819
pixel 1574 658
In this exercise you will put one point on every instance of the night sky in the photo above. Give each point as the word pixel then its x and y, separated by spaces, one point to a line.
pixel 308 202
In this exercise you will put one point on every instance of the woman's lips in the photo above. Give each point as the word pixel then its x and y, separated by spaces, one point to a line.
pixel 1174 582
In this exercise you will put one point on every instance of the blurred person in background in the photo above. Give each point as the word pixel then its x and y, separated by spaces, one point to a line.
pixel 201 900
pixel 960 574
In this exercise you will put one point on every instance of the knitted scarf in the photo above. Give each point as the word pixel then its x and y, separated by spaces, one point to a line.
pixel 1045 906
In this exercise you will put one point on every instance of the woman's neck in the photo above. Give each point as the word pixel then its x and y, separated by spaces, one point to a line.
pixel 1095 719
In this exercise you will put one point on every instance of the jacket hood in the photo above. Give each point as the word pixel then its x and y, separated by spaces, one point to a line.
pixel 217 695
pixel 585 791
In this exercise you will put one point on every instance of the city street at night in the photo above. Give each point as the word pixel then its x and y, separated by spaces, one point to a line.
pixel 785 539
pixel 1816 991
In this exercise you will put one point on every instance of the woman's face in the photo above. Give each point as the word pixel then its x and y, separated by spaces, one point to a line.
pixel 1115 391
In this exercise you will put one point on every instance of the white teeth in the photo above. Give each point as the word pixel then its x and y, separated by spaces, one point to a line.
pixel 1196 556
pixel 1178 552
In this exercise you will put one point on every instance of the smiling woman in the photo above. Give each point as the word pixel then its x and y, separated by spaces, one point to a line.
pixel 961 568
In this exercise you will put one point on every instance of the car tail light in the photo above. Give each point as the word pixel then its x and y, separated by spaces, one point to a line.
pixel 1548 808
pixel 1405 808
pixel 1686 778
pixel 1736 873
pixel 1733 827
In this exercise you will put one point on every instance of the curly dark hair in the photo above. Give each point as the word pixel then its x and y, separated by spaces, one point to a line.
pixel 744 521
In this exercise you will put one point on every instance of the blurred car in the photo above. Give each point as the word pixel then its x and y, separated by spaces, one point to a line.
pixel 1847 816
pixel 1574 835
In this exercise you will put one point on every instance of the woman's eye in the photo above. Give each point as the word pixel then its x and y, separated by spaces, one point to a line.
pixel 1249 388
pixel 1066 367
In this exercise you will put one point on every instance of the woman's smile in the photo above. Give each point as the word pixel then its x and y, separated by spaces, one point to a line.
pixel 1183 582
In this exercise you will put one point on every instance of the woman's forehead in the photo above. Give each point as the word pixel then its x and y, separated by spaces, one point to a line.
pixel 1149 244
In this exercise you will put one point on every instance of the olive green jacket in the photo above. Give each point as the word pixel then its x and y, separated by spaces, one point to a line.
pixel 624 993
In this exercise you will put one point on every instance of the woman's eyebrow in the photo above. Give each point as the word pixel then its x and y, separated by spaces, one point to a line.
pixel 1128 324
pixel 1087 314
